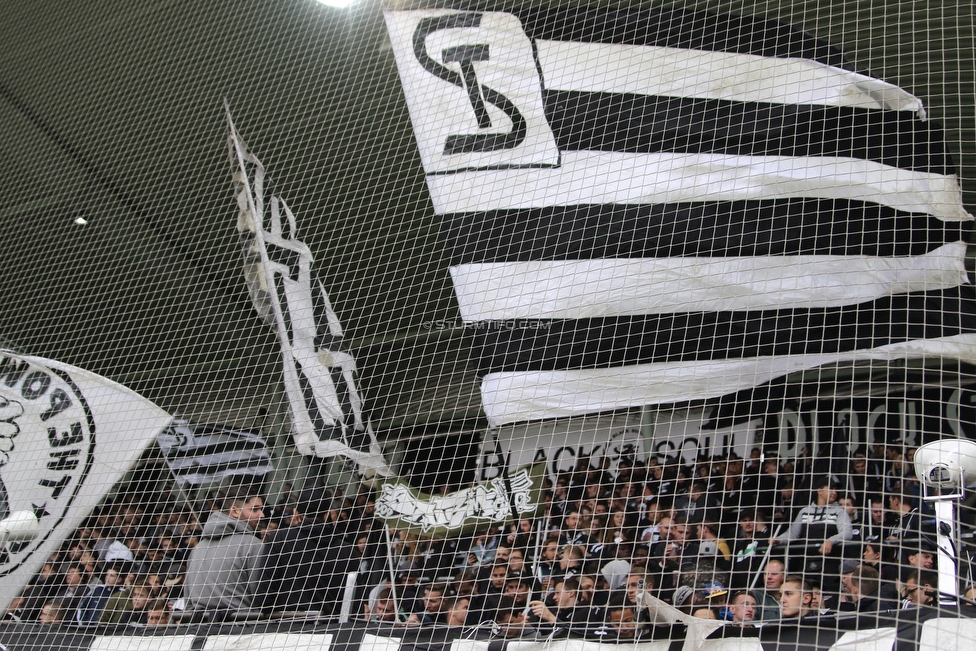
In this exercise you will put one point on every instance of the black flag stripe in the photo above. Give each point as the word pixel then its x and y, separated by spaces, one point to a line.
pixel 700 229
pixel 678 28
pixel 626 122
pixel 568 344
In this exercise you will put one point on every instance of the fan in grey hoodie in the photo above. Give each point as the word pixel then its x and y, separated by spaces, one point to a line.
pixel 220 566
pixel 823 520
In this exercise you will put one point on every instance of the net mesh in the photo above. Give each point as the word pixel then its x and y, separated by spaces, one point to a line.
pixel 422 324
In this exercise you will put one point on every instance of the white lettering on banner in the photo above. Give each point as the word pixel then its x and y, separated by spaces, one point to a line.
pixel 851 424
pixel 472 90
pixel 913 420
pixel 269 642
pixel 954 407
pixel 679 433
pixel 792 434
pixel 561 444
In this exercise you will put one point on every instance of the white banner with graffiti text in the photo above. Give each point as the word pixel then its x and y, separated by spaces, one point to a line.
pixel 66 437
pixel 485 504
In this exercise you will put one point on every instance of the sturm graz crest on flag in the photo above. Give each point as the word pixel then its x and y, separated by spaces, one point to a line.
pixel 47 446
pixel 490 114
pixel 691 204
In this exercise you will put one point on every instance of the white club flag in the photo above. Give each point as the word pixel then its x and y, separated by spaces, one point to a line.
pixel 319 370
pixel 66 437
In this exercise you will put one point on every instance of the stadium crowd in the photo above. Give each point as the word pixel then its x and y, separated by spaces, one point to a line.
pixel 742 540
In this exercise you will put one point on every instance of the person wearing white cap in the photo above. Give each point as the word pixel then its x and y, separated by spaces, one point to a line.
pixel 117 551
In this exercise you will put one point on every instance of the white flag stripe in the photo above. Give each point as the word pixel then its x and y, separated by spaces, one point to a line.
pixel 591 177
pixel 516 396
pixel 377 643
pixel 269 642
pixel 674 72
pixel 138 643
pixel 576 289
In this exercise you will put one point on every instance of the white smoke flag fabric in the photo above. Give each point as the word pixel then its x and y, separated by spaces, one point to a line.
pixel 203 454
pixel 319 370
pixel 656 206
pixel 66 437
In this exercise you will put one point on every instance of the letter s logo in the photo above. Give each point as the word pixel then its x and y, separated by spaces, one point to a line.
pixel 473 89
pixel 465 56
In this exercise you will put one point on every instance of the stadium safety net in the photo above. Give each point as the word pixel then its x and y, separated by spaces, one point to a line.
pixel 453 326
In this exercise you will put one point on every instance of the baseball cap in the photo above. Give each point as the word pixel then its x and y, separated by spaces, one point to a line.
pixel 714 589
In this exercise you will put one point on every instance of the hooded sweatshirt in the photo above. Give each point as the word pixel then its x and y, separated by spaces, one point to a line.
pixel 220 566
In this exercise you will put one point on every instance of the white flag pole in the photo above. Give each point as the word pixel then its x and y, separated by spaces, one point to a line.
pixel 769 550
pixel 389 561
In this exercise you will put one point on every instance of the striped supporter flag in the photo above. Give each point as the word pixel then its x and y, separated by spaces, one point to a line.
pixel 206 453
pixel 656 206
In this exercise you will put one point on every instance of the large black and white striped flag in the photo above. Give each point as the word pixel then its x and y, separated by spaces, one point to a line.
pixel 659 206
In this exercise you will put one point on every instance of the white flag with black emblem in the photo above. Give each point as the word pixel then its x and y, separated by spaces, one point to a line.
pixel 319 370
pixel 652 206
pixel 66 437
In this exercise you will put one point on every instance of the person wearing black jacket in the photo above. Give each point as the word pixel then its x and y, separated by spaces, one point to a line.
pixel 909 526
pixel 865 584
pixel 748 547
pixel 39 592
pixel 621 621
pixel 559 616
pixel 876 527
pixel 874 555
pixel 303 566
pixel 484 604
